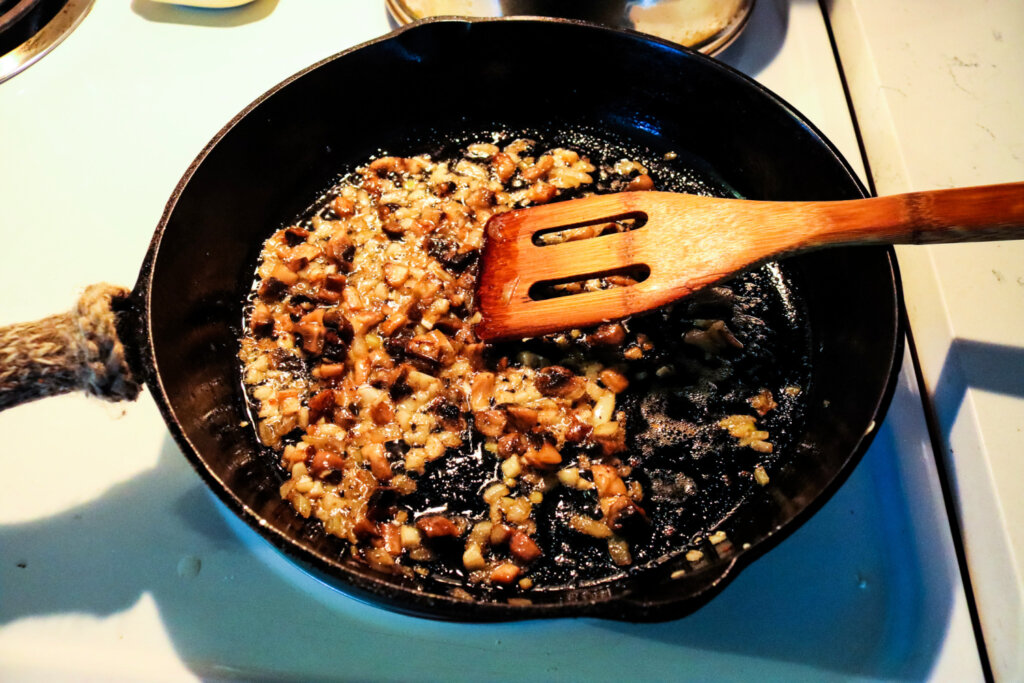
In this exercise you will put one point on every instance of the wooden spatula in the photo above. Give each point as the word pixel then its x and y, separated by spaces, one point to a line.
pixel 686 242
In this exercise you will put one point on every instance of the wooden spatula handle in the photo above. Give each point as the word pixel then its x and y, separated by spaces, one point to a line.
pixel 990 212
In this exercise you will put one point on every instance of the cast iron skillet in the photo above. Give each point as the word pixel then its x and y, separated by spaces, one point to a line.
pixel 438 78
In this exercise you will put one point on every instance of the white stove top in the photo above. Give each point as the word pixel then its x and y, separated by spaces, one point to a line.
pixel 938 86
pixel 123 566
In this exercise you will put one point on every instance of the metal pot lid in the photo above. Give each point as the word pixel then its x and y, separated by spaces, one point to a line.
pixel 708 26
pixel 29 29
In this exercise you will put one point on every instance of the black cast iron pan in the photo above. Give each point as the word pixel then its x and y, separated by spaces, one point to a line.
pixel 414 90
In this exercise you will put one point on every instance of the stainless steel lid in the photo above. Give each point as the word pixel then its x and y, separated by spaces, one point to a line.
pixel 705 25
pixel 31 28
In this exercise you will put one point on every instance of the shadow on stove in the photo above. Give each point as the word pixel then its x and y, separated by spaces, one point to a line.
pixel 759 44
pixel 163 13
pixel 977 365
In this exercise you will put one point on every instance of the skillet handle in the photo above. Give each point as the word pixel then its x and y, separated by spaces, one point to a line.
pixel 79 349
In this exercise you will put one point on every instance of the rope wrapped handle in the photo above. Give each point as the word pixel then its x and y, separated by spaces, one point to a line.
pixel 79 349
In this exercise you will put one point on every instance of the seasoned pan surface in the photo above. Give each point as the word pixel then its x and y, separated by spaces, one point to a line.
pixel 422 90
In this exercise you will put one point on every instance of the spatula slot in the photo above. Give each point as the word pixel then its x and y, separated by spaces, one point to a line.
pixel 589 229
pixel 626 276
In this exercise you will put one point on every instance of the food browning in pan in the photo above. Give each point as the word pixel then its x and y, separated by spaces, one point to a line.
pixel 515 466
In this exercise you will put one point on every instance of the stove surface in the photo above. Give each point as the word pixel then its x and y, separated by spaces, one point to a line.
pixel 116 563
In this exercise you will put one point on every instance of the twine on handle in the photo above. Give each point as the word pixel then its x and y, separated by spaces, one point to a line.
pixel 79 349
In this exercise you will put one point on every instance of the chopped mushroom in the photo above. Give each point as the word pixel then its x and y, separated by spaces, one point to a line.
pixel 560 382
pixel 763 402
pixel 545 457
pixel 505 573
pixel 490 422
pixel 434 526
pixel 524 547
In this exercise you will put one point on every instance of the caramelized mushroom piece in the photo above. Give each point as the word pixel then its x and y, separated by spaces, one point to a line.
pixel 541 193
pixel 545 457
pixel 577 431
pixel 322 460
pixel 391 534
pixel 503 166
pixel 524 547
pixel 341 249
pixel 612 443
pixel 311 329
pixel 480 199
pixel 262 321
pixel 609 334
pixel 394 228
pixel 521 417
pixel 539 168
pixel 326 296
pixel 490 422
pixel 481 390
pixel 395 274
pixel 342 207
pixel 382 412
pixel 424 348
pixel 448 253
pixel 560 382
pixel 379 465
pixel 448 414
pixel 614 380
pixel 607 481
pixel 763 402
pixel 505 573
pixel 433 346
pixel 335 282
pixel 435 526
pixel 322 404
pixel 400 386
pixel 618 509
pixel 295 236
pixel 388 165
pixel 641 183
pixel 300 256
pixel 284 275
pixel 512 444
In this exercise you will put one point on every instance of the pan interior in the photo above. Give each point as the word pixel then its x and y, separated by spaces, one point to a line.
pixel 693 473
pixel 425 89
